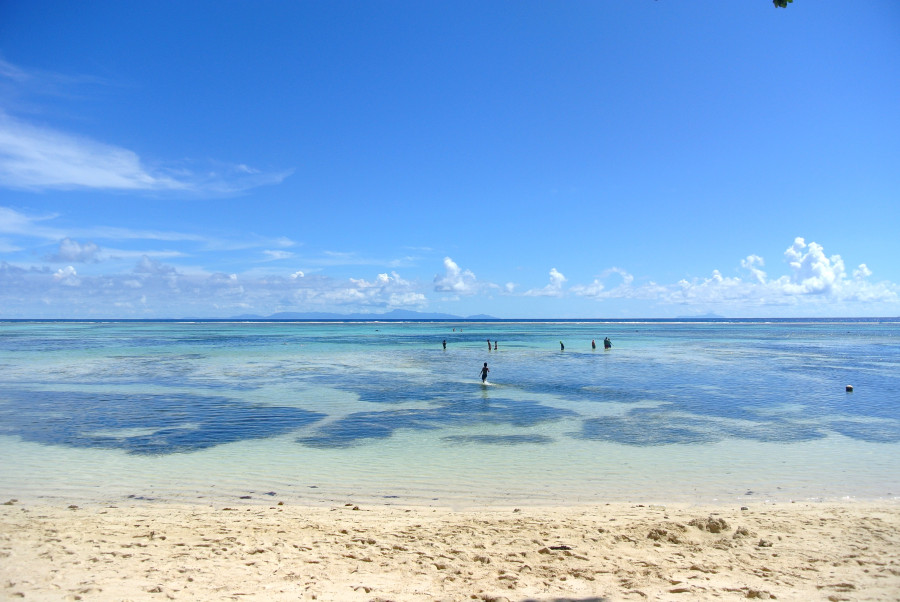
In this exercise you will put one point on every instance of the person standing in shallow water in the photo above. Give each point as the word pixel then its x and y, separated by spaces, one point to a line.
pixel 607 344
pixel 593 344
pixel 445 343
pixel 489 344
pixel 561 346
pixel 484 371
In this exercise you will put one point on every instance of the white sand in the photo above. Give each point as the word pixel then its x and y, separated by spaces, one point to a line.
pixel 848 551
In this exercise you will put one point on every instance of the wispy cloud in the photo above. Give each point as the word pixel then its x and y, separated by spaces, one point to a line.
pixel 276 255
pixel 38 226
pixel 34 157
pixel 73 251
pixel 344 258
pixel 37 156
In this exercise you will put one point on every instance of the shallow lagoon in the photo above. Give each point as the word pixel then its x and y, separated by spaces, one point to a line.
pixel 688 411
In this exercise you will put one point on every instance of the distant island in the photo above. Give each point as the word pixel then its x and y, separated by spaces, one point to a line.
pixel 397 314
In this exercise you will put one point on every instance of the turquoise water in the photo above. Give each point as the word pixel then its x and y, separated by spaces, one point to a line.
pixel 367 411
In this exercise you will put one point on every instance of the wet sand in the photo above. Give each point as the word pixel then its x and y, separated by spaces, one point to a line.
pixel 158 551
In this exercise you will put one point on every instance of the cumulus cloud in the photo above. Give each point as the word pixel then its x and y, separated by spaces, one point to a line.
pixel 600 289
pixel 359 294
pixel 553 289
pixel 752 264
pixel 811 283
pixel 862 272
pixel 811 271
pixel 67 276
pixel 154 267
pixel 455 280
pixel 813 278
pixel 73 251
pixel 408 299
pixel 152 288
pixel 814 281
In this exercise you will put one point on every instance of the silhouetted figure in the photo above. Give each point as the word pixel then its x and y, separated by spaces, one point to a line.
pixel 495 345
pixel 593 344
pixel 561 346
pixel 607 344
pixel 489 344
pixel 484 372
pixel 445 343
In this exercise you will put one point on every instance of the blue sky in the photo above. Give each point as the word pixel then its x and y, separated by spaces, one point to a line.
pixel 520 159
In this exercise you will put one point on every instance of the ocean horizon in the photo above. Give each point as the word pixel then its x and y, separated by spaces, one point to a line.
pixel 384 318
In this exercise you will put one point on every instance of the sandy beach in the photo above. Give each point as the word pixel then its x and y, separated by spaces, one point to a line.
pixel 272 551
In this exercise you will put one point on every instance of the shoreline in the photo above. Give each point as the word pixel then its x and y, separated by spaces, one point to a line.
pixel 265 550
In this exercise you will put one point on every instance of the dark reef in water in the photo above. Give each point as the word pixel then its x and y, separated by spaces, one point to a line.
pixel 172 423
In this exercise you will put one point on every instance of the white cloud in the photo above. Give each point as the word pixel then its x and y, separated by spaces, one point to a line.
pixel 753 263
pixel 6 247
pixel 73 251
pixel 409 299
pixel 21 228
pixel 356 294
pixel 595 289
pixel 380 281
pixel 35 157
pixel 813 284
pixel 40 157
pixel 148 265
pixel 284 241
pixel 598 289
pixel 815 280
pixel 15 222
pixel 553 289
pixel 277 254
pixel 556 279
pixel 862 272
pixel 20 224
pixel 386 290
pixel 812 271
pixel 67 276
pixel 12 72
pixel 627 278
pixel 455 280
